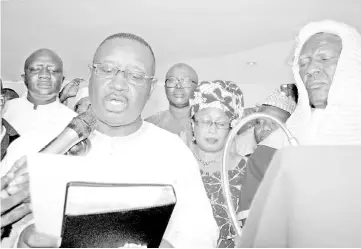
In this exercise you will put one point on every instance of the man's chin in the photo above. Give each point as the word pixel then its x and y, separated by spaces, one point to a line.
pixel 318 103
pixel 180 104
pixel 45 92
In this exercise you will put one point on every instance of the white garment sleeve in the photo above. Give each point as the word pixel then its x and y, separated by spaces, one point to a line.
pixel 192 223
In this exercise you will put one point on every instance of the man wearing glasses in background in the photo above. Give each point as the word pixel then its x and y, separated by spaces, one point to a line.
pixel 181 80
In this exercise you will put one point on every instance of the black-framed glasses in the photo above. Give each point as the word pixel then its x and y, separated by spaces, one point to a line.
pixel 132 76
pixel 185 82
pixel 221 125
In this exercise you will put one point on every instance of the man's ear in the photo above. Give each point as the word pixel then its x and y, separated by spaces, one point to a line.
pixel 153 85
pixel 23 77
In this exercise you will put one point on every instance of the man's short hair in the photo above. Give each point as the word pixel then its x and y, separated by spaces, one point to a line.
pixel 131 37
pixel 28 61
pixel 9 93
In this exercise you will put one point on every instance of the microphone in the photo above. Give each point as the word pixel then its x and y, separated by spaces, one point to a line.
pixel 77 130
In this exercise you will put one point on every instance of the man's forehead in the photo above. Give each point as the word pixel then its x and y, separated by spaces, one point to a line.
pixel 124 51
pixel 114 46
pixel 272 110
pixel 44 55
pixel 321 39
pixel 182 70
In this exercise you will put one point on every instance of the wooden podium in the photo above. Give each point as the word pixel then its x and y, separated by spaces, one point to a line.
pixel 309 197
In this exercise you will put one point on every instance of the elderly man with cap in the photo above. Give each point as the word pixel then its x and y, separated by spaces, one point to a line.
pixel 181 80
pixel 315 202
pixel 277 105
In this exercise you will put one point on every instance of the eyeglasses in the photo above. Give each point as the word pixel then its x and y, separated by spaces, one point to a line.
pixel 184 82
pixel 221 125
pixel 109 72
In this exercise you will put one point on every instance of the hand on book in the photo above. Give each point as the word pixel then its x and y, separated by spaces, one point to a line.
pixel 30 238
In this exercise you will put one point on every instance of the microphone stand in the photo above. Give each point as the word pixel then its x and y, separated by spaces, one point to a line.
pixel 228 146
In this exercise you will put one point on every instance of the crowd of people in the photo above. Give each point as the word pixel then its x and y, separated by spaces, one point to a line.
pixel 322 107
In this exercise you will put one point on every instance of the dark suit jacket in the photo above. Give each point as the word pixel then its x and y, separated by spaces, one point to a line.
pixel 10 135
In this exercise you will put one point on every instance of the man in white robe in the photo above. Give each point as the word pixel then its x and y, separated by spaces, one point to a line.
pixel 119 87
pixel 40 107
pixel 336 120
pixel 306 199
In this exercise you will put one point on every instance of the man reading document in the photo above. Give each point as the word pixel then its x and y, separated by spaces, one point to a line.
pixel 121 81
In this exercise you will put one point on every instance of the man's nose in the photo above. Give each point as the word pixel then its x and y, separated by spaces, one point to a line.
pixel 44 73
pixel 120 82
pixel 179 85
pixel 212 128
pixel 313 69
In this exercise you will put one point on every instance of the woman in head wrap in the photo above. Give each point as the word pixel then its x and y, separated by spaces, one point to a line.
pixel 215 108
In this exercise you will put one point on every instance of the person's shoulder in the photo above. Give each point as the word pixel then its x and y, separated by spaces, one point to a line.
pixel 66 110
pixel 156 131
pixel 16 100
pixel 156 118
pixel 13 107
pixel 15 103
pixel 163 138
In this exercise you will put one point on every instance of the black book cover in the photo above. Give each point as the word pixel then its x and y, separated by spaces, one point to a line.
pixel 140 225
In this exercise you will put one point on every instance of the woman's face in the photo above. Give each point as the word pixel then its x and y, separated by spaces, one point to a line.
pixel 211 127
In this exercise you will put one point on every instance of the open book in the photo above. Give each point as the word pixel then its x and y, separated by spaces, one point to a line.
pixel 88 207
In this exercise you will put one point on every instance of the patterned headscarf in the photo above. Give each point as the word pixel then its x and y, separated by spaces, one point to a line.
pixel 279 99
pixel 224 95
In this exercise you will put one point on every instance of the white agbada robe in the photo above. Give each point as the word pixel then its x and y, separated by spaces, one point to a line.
pixel 323 192
pixel 192 223
pixel 20 113
pixel 340 122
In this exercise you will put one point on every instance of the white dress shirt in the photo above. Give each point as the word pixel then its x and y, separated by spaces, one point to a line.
pixel 20 113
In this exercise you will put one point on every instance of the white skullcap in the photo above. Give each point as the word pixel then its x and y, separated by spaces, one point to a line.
pixel 279 99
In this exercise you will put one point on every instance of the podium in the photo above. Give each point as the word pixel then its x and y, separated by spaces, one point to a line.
pixel 309 197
